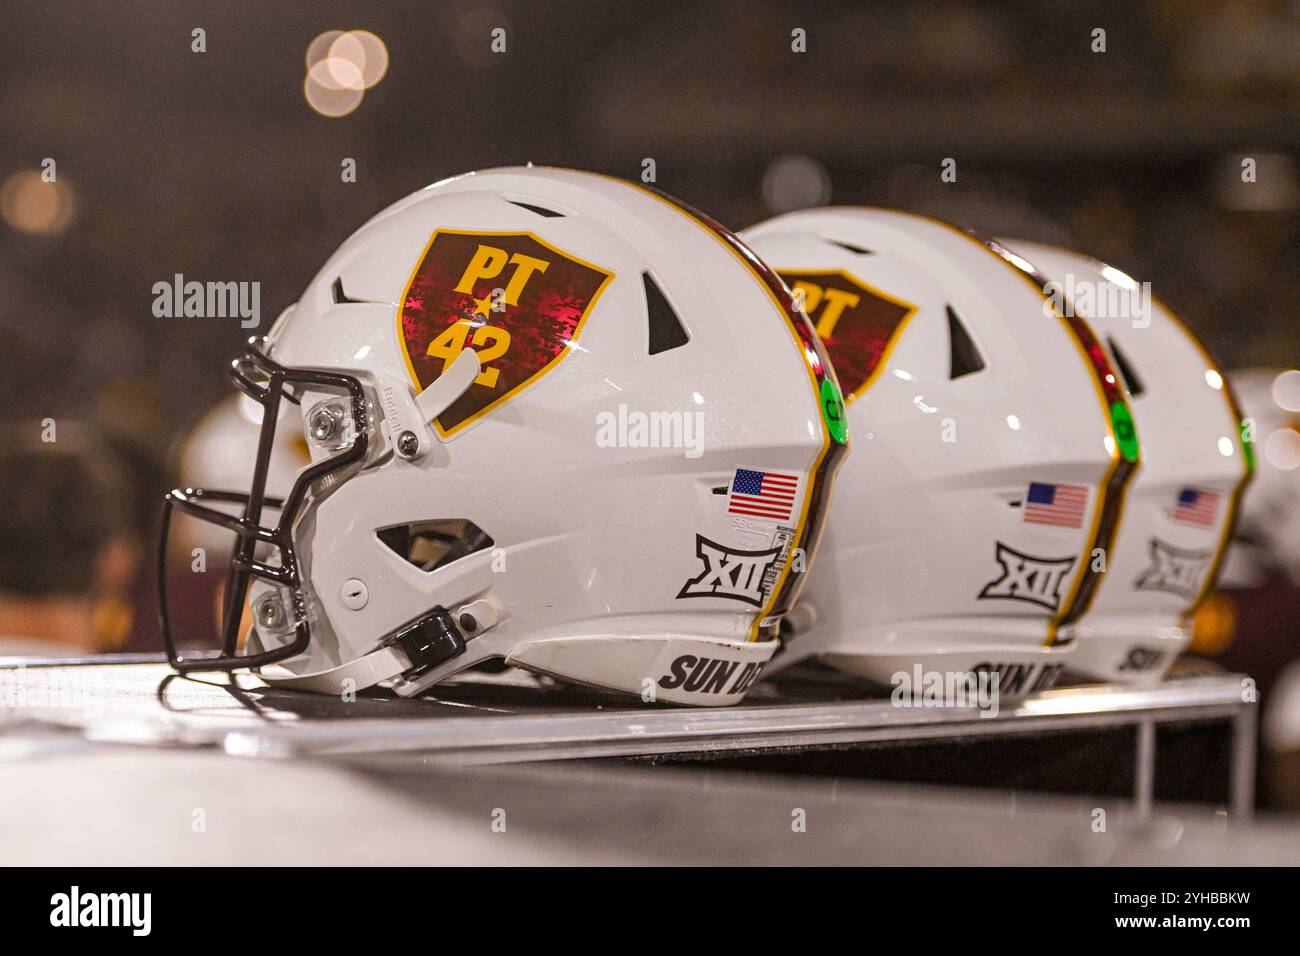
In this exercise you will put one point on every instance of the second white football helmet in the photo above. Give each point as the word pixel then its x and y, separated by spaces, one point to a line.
pixel 992 447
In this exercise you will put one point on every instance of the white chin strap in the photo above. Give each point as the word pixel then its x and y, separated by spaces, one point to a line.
pixel 389 663
pixel 364 672
pixel 449 386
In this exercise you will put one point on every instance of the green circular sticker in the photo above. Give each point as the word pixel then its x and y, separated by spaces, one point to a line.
pixel 1125 431
pixel 1248 445
pixel 833 411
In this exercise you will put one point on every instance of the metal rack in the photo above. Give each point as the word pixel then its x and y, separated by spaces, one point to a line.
pixel 512 721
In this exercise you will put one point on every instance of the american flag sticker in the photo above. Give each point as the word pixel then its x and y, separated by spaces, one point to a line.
pixel 1059 505
pixel 1197 507
pixel 762 494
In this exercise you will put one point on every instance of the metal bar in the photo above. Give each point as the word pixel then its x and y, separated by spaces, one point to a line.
pixel 275 744
pixel 1144 769
pixel 142 704
pixel 572 735
pixel 1242 783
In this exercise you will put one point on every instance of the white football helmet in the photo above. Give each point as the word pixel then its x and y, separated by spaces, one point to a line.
pixel 1179 515
pixel 530 396
pixel 993 444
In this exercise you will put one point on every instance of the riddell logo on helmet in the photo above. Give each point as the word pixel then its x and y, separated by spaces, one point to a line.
pixel 710 675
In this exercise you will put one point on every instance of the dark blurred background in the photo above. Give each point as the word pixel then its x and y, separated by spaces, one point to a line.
pixel 214 165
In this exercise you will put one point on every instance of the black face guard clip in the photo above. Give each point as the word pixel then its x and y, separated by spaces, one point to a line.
pixel 265 382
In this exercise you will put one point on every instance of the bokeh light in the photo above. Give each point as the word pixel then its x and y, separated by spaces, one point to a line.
pixel 327 98
pixel 795 182
pixel 30 204
pixel 341 66
pixel 1286 390
pixel 363 50
pixel 319 48
pixel 336 73
pixel 1282 449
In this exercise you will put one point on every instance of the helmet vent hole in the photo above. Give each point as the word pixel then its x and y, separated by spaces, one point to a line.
pixel 341 297
pixel 666 329
pixel 1135 387
pixel 963 357
pixel 850 247
pixel 430 545
pixel 540 210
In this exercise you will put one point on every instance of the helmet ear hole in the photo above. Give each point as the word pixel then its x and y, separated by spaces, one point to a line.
pixel 430 545
pixel 963 357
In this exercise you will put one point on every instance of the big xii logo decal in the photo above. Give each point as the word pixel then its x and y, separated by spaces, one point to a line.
pixel 856 323
pixel 1027 578
pixel 1175 570
pixel 517 301
pixel 728 573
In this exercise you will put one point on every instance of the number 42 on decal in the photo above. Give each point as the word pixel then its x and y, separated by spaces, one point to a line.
pixel 452 342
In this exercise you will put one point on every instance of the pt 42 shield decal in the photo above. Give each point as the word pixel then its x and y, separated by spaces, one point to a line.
pixel 856 323
pixel 516 300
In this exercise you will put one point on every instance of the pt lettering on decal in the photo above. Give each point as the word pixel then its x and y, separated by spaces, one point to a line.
pixel 855 322
pixel 517 301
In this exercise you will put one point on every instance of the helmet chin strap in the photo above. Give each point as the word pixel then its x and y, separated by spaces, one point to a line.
pixel 391 663
pixel 449 386
pixel 353 676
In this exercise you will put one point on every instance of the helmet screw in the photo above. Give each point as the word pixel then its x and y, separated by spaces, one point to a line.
pixel 407 445
pixel 270 614
pixel 355 594
pixel 323 425
pixel 468 624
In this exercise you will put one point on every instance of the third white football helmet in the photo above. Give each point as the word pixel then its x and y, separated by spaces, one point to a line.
pixel 1179 515
pixel 1268 529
